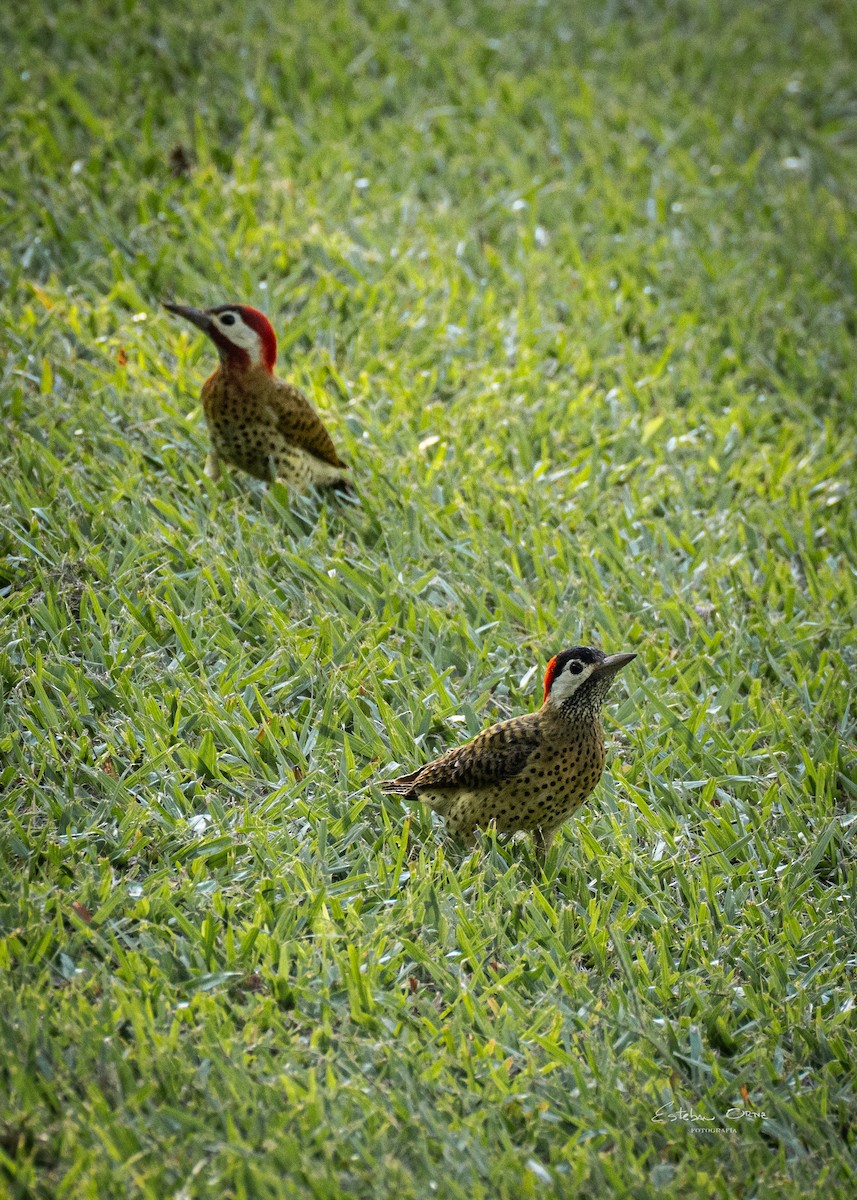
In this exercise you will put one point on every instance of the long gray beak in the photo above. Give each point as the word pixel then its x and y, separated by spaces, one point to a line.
pixel 613 663
pixel 196 316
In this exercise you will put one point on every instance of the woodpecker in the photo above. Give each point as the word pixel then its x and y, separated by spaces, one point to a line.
pixel 533 771
pixel 258 422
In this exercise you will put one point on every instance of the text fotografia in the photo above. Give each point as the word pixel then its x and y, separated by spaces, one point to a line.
pixel 667 1113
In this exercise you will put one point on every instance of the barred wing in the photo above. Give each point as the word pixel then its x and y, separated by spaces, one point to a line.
pixel 498 753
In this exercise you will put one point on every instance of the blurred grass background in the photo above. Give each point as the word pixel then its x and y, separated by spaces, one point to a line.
pixel 574 288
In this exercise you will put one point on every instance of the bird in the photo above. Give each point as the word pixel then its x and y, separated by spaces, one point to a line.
pixel 257 421
pixel 531 772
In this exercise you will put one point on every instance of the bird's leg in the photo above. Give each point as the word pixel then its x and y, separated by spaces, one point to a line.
pixel 542 839
pixel 465 837
pixel 212 465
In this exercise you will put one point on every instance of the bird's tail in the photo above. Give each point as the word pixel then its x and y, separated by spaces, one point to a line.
pixel 397 787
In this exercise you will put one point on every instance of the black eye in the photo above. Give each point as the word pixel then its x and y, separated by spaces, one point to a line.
pixel 227 319
pixel 575 667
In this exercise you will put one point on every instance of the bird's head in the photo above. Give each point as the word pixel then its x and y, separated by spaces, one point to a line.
pixel 243 336
pixel 578 680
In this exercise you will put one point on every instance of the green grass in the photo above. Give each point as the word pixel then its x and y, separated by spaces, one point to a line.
pixel 574 287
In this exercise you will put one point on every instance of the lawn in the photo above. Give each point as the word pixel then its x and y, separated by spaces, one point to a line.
pixel 574 287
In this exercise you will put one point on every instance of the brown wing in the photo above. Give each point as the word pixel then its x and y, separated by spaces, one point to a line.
pixel 298 422
pixel 498 753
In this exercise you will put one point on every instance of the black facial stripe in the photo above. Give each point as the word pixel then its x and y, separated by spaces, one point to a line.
pixel 582 654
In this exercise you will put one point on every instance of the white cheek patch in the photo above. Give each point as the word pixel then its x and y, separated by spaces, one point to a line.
pixel 243 337
pixel 566 684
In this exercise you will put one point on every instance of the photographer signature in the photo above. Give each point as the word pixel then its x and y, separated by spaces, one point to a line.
pixel 667 1113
